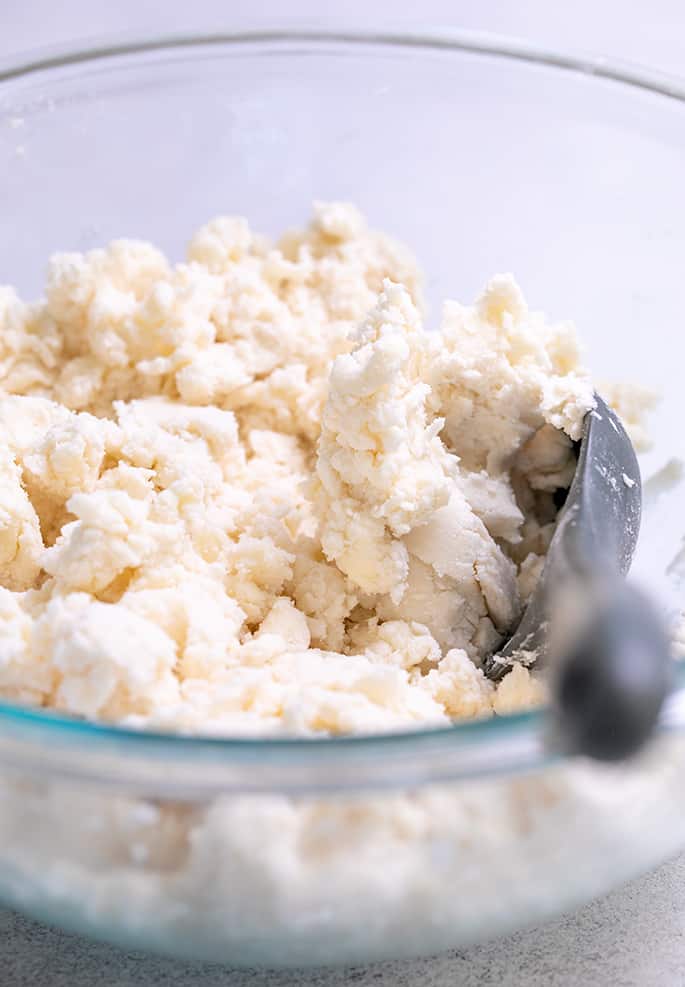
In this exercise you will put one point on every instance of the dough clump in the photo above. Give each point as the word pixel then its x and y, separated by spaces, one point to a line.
pixel 251 493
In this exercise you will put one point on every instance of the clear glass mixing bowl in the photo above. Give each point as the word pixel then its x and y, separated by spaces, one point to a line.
pixel 483 156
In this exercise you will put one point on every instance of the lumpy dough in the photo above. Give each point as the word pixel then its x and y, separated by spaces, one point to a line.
pixel 251 493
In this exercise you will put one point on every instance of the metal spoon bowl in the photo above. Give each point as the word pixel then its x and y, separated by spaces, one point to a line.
pixel 600 639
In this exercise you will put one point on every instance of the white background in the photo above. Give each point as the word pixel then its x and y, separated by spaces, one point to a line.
pixel 636 937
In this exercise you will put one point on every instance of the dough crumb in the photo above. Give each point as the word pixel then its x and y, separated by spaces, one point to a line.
pixel 632 403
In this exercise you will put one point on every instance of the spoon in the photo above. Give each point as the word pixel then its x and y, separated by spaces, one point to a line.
pixel 601 639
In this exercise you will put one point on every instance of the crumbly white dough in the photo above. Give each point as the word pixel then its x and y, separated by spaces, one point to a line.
pixel 250 493
pixel 632 402
pixel 274 879
pixel 679 637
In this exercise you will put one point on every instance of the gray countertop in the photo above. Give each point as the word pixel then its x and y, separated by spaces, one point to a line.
pixel 632 937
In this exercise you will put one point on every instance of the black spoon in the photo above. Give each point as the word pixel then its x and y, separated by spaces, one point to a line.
pixel 602 640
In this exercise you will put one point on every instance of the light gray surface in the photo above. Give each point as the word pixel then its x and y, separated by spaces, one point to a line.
pixel 635 936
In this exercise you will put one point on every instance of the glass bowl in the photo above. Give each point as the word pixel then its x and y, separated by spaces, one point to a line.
pixel 483 156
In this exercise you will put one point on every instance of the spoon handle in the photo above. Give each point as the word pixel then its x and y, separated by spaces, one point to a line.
pixel 612 671
pixel 610 677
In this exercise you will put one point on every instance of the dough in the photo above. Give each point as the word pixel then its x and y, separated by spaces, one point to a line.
pixel 249 493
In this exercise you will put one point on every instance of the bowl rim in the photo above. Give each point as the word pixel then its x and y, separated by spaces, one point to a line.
pixel 28 62
pixel 51 744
